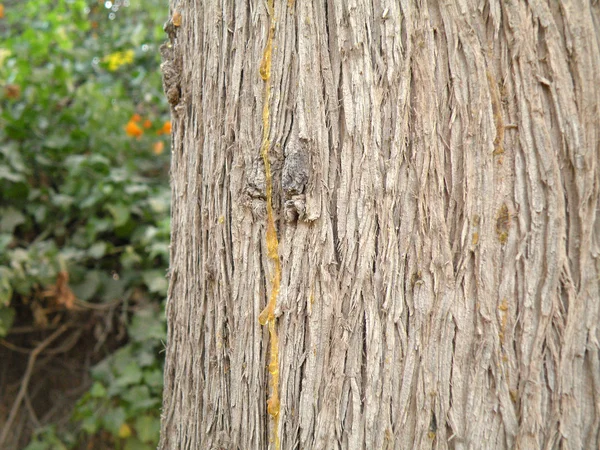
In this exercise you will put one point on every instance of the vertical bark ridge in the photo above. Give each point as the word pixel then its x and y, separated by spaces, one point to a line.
pixel 435 195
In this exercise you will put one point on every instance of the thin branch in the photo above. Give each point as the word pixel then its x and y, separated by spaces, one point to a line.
pixel 25 383
pixel 32 414
pixel 30 329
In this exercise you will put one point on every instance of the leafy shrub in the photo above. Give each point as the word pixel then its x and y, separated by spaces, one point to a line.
pixel 84 198
pixel 126 395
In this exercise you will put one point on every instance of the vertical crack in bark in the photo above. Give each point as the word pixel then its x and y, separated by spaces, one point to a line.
pixel 267 316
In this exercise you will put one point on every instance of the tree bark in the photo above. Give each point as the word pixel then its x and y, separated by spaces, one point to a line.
pixel 385 225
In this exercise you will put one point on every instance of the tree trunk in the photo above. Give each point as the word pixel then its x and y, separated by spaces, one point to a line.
pixel 385 225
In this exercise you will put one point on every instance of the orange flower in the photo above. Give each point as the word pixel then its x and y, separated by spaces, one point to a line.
pixel 136 118
pixel 147 123
pixel 158 147
pixel 166 128
pixel 1 11
pixel 132 129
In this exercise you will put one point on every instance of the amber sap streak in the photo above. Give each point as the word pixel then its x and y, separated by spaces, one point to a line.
pixel 267 316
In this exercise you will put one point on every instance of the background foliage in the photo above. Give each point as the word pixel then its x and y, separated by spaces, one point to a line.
pixel 84 197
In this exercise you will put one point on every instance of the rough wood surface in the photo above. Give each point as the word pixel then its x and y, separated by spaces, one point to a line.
pixel 435 186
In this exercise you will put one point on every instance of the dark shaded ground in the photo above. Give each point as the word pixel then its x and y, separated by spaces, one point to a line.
pixel 45 371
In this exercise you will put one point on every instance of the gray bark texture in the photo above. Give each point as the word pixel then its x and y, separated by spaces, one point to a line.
pixel 385 225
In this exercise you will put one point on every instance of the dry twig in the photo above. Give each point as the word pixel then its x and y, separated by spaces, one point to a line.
pixel 25 383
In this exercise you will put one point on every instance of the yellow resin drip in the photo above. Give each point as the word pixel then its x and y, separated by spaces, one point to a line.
pixel 267 316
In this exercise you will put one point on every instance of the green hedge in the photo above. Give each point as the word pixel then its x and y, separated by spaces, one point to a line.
pixel 84 197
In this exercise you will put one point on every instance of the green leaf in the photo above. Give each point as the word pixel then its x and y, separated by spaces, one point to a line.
pixel 138 34
pixel 102 370
pixel 147 324
pixel 62 200
pixel 136 394
pixel 130 258
pixel 17 191
pixel 113 289
pixel 7 316
pixel 134 189
pixel 97 225
pixel 159 205
pixel 159 249
pixel 97 250
pixel 146 357
pixel 148 429
pixel 113 420
pixel 10 219
pixel 98 390
pixel 89 286
pixel 128 375
pixel 133 443
pixel 6 290
pixel 120 213
pixel 40 213
pixel 156 281
pixel 90 424
pixel 5 240
pixel 11 152
pixel 154 378
pixel 140 399
pixel 56 141
pixel 8 174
